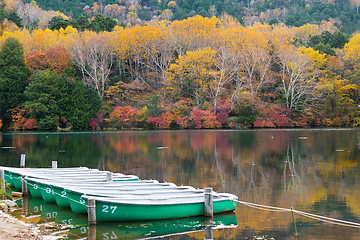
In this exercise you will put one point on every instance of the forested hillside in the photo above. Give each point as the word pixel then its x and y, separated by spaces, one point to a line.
pixel 293 12
pixel 93 72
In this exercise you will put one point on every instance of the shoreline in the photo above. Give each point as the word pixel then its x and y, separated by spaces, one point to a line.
pixel 14 229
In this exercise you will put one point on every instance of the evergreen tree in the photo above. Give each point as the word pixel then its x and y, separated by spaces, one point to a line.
pixel 14 76
pixel 52 97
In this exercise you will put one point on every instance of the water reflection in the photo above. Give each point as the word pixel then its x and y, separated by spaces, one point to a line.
pixel 37 211
pixel 312 171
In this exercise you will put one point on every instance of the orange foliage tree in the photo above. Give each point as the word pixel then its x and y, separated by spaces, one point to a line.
pixel 20 121
pixel 123 117
pixel 55 59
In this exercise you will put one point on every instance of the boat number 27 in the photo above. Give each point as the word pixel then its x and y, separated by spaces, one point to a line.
pixel 110 209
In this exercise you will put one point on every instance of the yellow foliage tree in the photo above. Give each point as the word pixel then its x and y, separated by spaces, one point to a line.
pixel 193 33
pixel 352 50
pixel 318 59
pixel 192 73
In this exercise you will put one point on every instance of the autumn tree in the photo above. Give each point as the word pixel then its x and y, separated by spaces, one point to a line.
pixel 93 55
pixel 352 50
pixel 192 33
pixel 299 69
pixel 56 59
pixel 192 75
pixel 158 52
pixel 227 70
pixel 254 46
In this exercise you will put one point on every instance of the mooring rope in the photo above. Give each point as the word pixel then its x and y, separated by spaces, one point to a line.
pixel 84 204
pixel 305 214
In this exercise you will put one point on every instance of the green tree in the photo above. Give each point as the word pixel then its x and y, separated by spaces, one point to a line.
pixel 14 17
pixel 84 103
pixel 52 97
pixel 43 94
pixel 58 22
pixel 14 76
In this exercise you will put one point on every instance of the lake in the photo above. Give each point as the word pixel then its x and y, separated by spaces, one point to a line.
pixel 316 171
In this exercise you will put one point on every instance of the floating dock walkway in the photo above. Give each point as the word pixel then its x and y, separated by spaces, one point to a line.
pixel 107 196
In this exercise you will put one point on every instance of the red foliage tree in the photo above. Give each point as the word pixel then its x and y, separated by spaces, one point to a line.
pixel 204 119
pixel 30 124
pixel 156 121
pixel 222 114
pixel 20 121
pixel 94 122
pixel 183 122
pixel 274 115
pixel 124 116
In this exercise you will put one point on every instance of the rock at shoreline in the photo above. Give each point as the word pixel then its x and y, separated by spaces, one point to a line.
pixel 11 204
pixel 4 206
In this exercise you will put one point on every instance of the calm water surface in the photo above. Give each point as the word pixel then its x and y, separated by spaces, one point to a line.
pixel 317 171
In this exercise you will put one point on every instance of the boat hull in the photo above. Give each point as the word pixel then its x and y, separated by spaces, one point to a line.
pixel 109 211
pixel 8 178
pixel 61 197
pixel 77 204
pixel 34 189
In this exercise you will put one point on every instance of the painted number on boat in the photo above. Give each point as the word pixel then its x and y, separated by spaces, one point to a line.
pixel 63 194
pixel 67 221
pixel 36 186
pixel 110 209
pixel 38 208
pixel 51 215
pixel 49 190
pixel 107 237
pixel 83 229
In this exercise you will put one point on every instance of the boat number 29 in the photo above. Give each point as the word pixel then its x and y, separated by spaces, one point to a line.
pixel 110 209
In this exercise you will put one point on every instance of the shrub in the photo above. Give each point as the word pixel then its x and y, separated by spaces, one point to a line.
pixel 272 115
pixel 222 114
pixel 326 122
pixel 183 122
pixel 336 122
pixel 123 117
pixel 30 124
pixel 94 122
pixel 346 120
pixel 155 121
pixel 204 119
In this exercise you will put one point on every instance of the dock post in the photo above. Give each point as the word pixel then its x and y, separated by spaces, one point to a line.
pixel 92 232
pixel 22 161
pixel 24 186
pixel 91 211
pixel 208 229
pixel 208 203
pixel 2 176
pixel 109 176
pixel 54 164
pixel 25 206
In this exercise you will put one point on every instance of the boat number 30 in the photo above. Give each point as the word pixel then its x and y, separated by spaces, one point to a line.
pixel 110 209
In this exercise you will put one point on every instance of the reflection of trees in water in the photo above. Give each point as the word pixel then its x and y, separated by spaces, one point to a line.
pixel 267 167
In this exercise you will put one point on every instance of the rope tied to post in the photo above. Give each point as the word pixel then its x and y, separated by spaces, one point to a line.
pixel 305 214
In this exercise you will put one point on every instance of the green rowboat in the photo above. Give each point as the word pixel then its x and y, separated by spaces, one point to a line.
pixel 156 208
